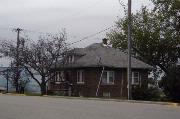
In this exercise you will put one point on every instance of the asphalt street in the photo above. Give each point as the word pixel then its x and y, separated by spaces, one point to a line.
pixel 31 107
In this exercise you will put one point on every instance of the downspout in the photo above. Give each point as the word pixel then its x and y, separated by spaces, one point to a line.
pixel 99 82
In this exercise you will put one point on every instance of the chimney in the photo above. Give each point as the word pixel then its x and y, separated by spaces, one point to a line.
pixel 104 41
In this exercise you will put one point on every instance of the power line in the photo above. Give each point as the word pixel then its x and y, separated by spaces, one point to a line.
pixel 92 35
pixel 6 28
pixel 27 30
pixel 39 32
pixel 47 33
pixel 84 38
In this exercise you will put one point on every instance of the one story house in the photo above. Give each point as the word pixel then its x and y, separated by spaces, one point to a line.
pixel 96 70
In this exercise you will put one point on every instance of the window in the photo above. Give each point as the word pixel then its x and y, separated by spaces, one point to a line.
pixel 107 94
pixel 135 77
pixel 80 76
pixel 108 77
pixel 55 76
pixel 61 76
pixel 71 59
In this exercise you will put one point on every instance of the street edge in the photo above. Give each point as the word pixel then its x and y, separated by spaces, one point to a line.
pixel 116 100
pixel 102 99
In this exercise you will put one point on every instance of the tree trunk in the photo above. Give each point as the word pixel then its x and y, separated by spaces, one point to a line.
pixel 17 87
pixel 43 87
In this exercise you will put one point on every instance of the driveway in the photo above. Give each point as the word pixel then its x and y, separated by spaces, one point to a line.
pixel 31 107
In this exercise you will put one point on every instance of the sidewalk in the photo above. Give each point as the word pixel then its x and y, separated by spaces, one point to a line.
pixel 116 100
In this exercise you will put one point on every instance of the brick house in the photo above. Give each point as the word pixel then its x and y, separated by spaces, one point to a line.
pixel 96 70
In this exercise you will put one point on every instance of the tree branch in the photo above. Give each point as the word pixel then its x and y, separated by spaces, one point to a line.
pixel 32 75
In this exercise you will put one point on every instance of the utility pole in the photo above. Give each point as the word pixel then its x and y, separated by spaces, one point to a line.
pixel 129 73
pixel 18 30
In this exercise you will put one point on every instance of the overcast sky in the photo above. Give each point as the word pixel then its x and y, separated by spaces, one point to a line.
pixel 80 18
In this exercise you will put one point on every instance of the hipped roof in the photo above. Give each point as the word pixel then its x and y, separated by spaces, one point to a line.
pixel 98 55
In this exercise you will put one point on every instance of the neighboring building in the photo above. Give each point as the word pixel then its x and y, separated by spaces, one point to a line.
pixel 31 86
pixel 83 68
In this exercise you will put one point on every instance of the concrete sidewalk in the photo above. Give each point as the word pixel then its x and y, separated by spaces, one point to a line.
pixel 117 100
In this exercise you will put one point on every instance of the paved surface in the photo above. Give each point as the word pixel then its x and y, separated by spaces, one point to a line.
pixel 26 107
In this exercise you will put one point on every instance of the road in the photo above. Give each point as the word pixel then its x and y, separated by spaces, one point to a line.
pixel 31 107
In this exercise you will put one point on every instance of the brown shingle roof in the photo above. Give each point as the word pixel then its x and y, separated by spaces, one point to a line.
pixel 97 55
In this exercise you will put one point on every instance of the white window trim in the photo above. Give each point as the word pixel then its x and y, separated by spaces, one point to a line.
pixel 135 83
pixel 81 80
pixel 70 58
pixel 108 81
pixel 61 76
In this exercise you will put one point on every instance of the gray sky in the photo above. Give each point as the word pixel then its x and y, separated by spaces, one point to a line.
pixel 80 18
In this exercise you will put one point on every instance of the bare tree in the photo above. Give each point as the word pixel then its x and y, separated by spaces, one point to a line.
pixel 42 56
pixel 39 57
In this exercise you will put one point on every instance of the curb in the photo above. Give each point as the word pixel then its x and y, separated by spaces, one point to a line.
pixel 14 94
pixel 117 100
